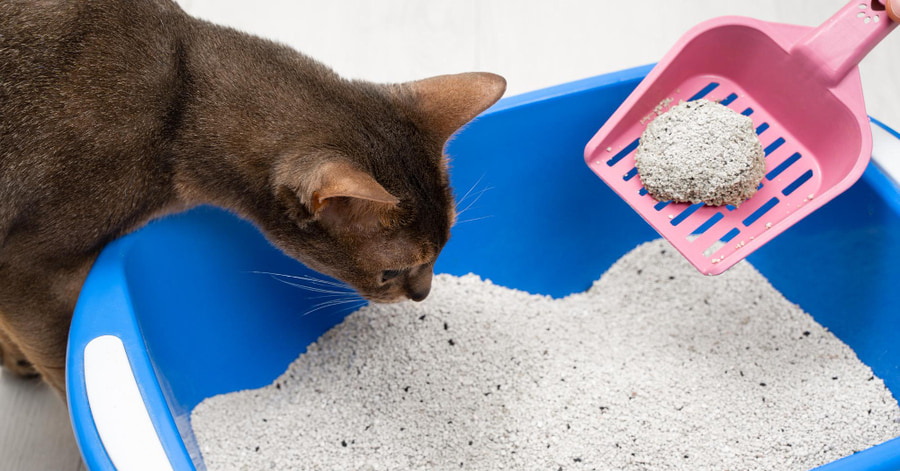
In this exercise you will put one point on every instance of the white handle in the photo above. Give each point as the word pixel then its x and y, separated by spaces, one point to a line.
pixel 118 409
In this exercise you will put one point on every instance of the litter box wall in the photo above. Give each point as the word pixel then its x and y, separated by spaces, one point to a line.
pixel 197 319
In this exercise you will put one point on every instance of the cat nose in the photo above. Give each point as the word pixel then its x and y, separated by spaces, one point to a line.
pixel 419 295
pixel 418 284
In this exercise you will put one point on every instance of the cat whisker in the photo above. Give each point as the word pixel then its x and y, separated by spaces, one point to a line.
pixel 461 200
pixel 327 288
pixel 315 289
pixel 320 306
pixel 478 196
pixel 336 284
pixel 472 220
pixel 327 304
pixel 351 307
pixel 312 279
pixel 336 296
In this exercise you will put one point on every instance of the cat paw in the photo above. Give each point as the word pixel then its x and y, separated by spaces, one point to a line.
pixel 23 369
pixel 15 363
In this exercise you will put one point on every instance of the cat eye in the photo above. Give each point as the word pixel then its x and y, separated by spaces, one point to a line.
pixel 389 275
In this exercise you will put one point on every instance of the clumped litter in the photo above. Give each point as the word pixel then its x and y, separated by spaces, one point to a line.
pixel 701 152
pixel 655 367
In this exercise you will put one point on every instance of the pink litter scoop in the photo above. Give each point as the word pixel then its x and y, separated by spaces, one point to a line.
pixel 801 87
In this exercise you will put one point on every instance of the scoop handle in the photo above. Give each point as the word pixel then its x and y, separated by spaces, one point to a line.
pixel 835 47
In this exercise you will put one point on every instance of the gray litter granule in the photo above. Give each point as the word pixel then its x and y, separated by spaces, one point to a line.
pixel 701 152
pixel 655 367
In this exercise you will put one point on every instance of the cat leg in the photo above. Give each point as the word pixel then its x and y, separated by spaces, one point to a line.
pixel 36 310
pixel 13 360
pixel 41 337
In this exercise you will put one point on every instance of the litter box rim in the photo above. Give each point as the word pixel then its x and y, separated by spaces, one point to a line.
pixel 105 310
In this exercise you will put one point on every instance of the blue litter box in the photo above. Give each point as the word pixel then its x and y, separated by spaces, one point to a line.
pixel 173 314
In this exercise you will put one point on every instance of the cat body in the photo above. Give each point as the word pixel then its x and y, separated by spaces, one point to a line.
pixel 114 112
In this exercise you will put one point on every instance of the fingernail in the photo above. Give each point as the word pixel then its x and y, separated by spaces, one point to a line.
pixel 892 5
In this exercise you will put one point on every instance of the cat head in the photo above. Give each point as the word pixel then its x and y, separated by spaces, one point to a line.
pixel 369 200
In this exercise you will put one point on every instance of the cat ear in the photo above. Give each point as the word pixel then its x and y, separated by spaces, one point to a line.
pixel 447 102
pixel 347 196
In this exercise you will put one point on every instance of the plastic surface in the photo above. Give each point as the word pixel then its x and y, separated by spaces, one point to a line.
pixel 117 408
pixel 800 86
pixel 196 321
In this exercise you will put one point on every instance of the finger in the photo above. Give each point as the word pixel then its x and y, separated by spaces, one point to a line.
pixel 893 9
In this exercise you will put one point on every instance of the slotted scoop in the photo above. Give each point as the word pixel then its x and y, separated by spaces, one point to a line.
pixel 802 89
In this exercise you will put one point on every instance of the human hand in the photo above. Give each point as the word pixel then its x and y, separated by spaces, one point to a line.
pixel 893 9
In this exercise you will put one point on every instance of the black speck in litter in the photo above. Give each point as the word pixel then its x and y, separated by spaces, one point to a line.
pixel 265 420
pixel 422 317
pixel 806 333
pixel 343 443
pixel 277 385
pixel 685 456
pixel 257 449
pixel 406 389
pixel 451 342
pixel 470 442
pixel 446 326
pixel 834 377
pixel 671 277
pixel 762 384
pixel 577 460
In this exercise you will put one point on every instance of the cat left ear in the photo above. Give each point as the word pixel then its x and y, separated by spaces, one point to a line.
pixel 447 102
pixel 348 196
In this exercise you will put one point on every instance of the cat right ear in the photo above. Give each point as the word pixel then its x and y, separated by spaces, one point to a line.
pixel 341 197
pixel 448 102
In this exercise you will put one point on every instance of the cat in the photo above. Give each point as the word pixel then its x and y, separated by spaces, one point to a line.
pixel 116 112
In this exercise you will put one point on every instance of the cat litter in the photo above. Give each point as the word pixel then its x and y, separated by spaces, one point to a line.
pixel 701 152
pixel 655 367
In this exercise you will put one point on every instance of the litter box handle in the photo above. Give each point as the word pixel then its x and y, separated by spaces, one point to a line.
pixel 835 47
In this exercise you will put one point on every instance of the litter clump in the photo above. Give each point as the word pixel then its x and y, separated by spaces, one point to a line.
pixel 701 152
pixel 655 367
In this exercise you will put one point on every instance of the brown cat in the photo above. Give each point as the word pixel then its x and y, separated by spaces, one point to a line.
pixel 113 112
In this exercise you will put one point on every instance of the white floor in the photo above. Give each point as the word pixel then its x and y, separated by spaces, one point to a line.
pixel 532 43
pixel 34 428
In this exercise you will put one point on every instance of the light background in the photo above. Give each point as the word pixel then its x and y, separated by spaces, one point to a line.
pixel 532 43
